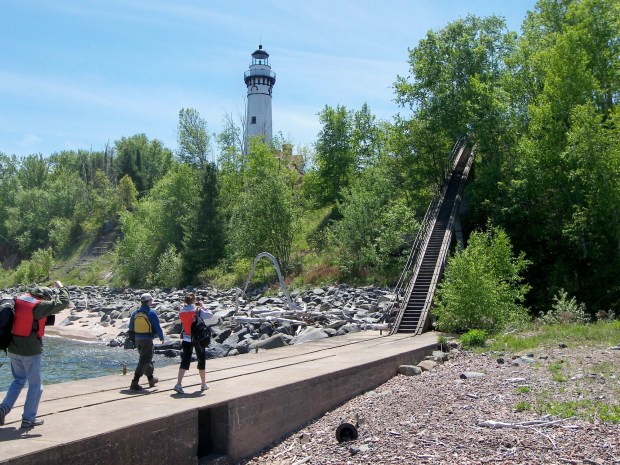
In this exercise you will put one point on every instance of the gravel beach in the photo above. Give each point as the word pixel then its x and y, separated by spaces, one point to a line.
pixel 494 415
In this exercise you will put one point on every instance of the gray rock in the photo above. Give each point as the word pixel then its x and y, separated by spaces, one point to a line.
pixel 427 365
pixel 277 340
pixel 409 370
pixel 308 335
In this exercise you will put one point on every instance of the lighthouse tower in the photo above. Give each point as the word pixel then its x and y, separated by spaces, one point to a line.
pixel 259 80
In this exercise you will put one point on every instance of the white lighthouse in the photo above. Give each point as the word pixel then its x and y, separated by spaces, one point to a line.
pixel 259 80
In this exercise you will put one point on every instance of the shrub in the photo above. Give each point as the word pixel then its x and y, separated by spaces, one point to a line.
pixel 474 338
pixel 482 286
pixel 565 310
pixel 36 269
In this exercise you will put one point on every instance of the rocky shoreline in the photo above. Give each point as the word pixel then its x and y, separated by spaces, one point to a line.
pixel 240 323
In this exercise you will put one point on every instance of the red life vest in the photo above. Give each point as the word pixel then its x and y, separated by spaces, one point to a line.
pixel 24 316
pixel 187 318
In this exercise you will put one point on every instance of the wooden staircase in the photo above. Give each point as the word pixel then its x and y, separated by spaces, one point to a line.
pixel 428 256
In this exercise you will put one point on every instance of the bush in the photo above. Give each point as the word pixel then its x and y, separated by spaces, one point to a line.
pixel 482 286
pixel 474 338
pixel 36 269
pixel 565 310
pixel 169 268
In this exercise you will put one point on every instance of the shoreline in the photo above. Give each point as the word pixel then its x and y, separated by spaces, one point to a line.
pixel 87 328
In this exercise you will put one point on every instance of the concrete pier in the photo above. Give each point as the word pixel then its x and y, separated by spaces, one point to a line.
pixel 253 400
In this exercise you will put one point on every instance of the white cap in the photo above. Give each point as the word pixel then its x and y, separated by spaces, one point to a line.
pixel 146 297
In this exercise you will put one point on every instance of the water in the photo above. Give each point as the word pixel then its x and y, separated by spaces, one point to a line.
pixel 69 360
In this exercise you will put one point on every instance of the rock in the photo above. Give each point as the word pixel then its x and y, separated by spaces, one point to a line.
pixel 277 340
pixel 427 365
pixel 308 335
pixel 409 370
pixel 471 374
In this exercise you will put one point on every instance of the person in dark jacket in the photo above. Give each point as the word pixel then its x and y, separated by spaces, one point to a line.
pixel 144 324
pixel 31 313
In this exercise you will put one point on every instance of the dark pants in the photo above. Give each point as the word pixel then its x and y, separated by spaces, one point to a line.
pixel 186 356
pixel 145 364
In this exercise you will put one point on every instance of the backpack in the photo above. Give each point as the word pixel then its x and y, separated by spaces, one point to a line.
pixel 201 333
pixel 142 324
pixel 7 316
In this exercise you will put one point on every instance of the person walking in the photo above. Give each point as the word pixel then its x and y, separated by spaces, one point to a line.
pixel 144 324
pixel 32 311
pixel 190 311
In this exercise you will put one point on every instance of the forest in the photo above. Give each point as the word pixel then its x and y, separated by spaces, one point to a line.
pixel 541 213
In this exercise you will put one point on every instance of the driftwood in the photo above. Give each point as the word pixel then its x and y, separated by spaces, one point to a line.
pixel 524 424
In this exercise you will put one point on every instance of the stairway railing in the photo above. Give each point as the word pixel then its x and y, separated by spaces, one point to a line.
pixel 414 260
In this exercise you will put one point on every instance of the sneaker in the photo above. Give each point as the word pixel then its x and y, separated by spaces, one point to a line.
pixel 204 387
pixel 179 389
pixel 31 423
pixel 135 386
pixel 2 415
pixel 153 381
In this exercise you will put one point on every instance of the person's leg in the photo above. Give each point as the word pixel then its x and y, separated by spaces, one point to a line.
pixel 20 377
pixel 143 360
pixel 200 355
pixel 32 364
pixel 186 357
pixel 149 351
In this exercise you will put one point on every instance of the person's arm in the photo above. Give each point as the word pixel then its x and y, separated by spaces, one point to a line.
pixel 156 326
pixel 59 302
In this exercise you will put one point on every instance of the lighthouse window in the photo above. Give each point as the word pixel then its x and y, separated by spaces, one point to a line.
pixel 253 119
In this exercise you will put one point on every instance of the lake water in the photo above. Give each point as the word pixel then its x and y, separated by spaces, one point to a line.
pixel 68 360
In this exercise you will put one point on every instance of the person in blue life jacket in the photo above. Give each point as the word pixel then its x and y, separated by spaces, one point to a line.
pixel 32 310
pixel 192 309
pixel 144 324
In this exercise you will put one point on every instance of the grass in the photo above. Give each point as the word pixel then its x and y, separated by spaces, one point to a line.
pixel 582 404
pixel 586 409
pixel 589 335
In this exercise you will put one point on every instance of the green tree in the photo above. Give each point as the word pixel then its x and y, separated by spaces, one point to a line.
pixel 263 218
pixel 193 138
pixel 204 243
pixel 160 220
pixel 144 161
pixel 483 286
pixel 335 159
pixel 368 235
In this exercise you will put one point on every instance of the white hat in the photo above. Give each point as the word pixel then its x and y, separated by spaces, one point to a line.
pixel 146 297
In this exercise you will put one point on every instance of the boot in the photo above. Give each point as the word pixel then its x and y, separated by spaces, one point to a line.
pixel 153 381
pixel 135 386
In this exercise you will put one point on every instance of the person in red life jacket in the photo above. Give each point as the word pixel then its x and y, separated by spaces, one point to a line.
pixel 31 313
pixel 189 311
pixel 144 323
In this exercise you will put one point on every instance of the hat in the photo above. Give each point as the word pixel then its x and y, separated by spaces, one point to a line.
pixel 146 297
pixel 42 291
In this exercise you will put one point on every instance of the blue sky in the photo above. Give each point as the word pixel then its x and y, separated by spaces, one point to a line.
pixel 80 74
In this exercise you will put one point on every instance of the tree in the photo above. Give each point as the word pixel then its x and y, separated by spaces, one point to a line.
pixel 335 160
pixel 204 243
pixel 367 236
pixel 482 286
pixel 144 161
pixel 193 138
pixel 263 218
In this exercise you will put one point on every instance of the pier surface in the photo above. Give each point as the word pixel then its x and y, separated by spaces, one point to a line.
pixel 254 399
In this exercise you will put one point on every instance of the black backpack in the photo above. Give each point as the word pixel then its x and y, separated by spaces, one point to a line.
pixel 201 334
pixel 7 316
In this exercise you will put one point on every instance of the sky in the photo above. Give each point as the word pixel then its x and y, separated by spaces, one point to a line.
pixel 81 74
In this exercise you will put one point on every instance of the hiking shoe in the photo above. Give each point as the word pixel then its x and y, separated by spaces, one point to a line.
pixel 179 389
pixel 204 387
pixel 31 423
pixel 135 386
pixel 153 381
